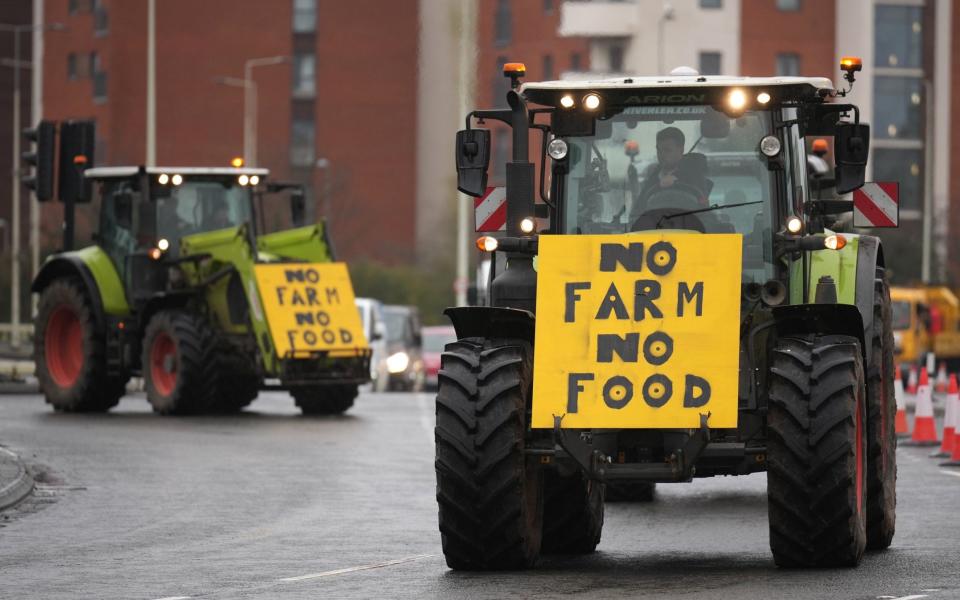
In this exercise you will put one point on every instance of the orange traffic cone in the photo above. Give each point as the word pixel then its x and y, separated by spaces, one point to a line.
pixel 912 381
pixel 949 421
pixel 903 429
pixel 941 386
pixel 924 427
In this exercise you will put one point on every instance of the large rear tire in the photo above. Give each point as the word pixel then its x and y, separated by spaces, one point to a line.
pixel 69 353
pixel 881 426
pixel 181 372
pixel 324 399
pixel 490 498
pixel 572 514
pixel 816 452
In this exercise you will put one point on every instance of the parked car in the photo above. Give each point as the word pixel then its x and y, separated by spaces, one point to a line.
pixel 434 340
pixel 371 314
pixel 404 364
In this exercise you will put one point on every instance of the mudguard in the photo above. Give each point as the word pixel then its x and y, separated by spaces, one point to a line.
pixel 491 322
pixel 93 267
pixel 854 271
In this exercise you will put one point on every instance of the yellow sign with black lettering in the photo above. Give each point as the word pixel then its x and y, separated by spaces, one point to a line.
pixel 637 330
pixel 310 308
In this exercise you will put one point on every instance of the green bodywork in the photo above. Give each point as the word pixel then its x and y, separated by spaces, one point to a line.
pixel 105 275
pixel 841 265
pixel 229 250
pixel 304 243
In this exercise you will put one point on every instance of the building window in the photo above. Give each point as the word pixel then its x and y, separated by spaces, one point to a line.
pixel 788 5
pixel 548 7
pixel 93 64
pixel 302 136
pixel 897 108
pixel 904 166
pixel 304 16
pixel 304 75
pixel 788 64
pixel 72 66
pixel 101 20
pixel 711 3
pixel 899 37
pixel 548 67
pixel 503 25
pixel 710 63
pixel 615 56
pixel 100 86
pixel 575 62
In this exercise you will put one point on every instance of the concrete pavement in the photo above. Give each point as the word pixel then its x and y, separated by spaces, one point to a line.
pixel 269 504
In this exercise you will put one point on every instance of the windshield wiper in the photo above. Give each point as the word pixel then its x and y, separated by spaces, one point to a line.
pixel 703 210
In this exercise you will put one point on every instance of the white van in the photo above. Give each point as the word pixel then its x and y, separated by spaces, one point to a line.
pixel 371 315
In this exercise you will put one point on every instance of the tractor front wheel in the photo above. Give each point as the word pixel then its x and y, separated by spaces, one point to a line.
pixel 816 452
pixel 572 514
pixel 490 497
pixel 180 367
pixel 324 399
pixel 70 354
pixel 881 427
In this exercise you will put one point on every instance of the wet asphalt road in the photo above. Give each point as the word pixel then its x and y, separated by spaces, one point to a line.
pixel 269 504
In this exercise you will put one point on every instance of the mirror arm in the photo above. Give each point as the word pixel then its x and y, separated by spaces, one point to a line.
pixel 503 115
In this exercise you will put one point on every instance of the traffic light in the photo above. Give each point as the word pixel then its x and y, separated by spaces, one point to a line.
pixel 40 158
pixel 76 155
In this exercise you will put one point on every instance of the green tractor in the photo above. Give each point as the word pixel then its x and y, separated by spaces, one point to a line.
pixel 184 288
pixel 678 305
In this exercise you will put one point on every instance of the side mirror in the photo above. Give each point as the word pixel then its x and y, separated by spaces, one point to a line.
pixel 473 158
pixel 298 208
pixel 379 332
pixel 851 147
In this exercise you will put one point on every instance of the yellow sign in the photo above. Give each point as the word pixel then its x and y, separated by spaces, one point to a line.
pixel 310 308
pixel 637 330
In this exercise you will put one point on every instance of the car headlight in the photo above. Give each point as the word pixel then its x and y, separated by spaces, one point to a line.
pixel 397 362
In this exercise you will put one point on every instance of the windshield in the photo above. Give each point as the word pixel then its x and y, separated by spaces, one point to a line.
pixel 398 325
pixel 901 315
pixel 646 164
pixel 200 206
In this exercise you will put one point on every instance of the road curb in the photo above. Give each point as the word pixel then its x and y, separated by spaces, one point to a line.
pixel 15 482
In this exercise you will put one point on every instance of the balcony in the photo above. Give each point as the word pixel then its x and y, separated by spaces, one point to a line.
pixel 599 18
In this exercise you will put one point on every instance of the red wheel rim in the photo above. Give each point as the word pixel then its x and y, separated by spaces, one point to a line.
pixel 163 363
pixel 63 346
pixel 859 446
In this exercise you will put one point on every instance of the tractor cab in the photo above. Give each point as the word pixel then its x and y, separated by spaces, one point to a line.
pixel 151 209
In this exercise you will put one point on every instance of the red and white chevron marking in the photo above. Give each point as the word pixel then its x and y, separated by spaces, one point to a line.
pixel 491 210
pixel 877 204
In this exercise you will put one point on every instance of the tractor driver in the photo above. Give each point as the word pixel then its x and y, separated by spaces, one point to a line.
pixel 218 217
pixel 670 168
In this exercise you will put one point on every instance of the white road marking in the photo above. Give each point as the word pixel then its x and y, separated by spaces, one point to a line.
pixel 175 598
pixel 388 563
pixel 425 422
pixel 913 597
pixel 954 473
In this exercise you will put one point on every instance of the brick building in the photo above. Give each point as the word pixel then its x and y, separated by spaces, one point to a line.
pixel 343 98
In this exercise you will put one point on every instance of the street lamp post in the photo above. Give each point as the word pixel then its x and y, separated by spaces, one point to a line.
pixel 249 86
pixel 15 177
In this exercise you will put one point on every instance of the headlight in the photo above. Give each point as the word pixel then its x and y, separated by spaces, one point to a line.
pixel 557 149
pixel 397 362
pixel 770 146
